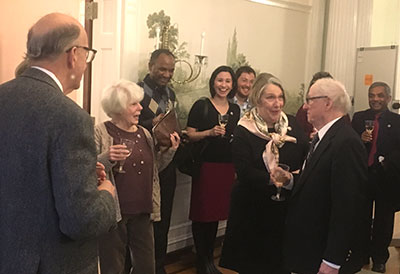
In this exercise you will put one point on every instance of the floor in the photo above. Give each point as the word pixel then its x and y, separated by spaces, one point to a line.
pixel 182 262
pixel 185 264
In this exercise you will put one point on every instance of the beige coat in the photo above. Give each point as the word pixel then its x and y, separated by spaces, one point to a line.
pixel 161 160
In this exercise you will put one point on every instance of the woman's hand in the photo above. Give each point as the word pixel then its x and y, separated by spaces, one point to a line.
pixel 118 152
pixel 175 140
pixel 217 131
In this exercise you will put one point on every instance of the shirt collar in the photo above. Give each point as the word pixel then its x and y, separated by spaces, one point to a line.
pixel 235 100
pixel 153 85
pixel 324 129
pixel 52 76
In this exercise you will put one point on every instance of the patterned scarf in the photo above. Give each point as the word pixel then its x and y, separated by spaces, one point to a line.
pixel 253 122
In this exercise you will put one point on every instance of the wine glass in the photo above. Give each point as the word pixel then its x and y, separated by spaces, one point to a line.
pixel 129 146
pixel 369 126
pixel 223 119
pixel 280 178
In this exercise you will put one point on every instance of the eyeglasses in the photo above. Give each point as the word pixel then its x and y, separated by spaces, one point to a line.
pixel 310 99
pixel 90 53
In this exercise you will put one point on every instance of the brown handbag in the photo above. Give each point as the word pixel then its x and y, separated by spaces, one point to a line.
pixel 167 125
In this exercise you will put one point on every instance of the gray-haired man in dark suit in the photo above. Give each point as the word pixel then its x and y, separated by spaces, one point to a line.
pixel 52 206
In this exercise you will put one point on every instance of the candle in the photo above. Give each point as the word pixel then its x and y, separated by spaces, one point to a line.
pixel 203 34
pixel 158 37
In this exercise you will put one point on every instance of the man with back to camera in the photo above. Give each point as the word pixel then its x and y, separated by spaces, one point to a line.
pixel 245 76
pixel 381 143
pixel 52 206
pixel 158 98
pixel 329 198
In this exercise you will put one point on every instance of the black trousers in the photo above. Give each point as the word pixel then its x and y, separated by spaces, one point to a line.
pixel 167 187
pixel 383 222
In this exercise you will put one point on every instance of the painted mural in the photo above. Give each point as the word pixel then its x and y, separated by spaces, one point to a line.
pixel 187 93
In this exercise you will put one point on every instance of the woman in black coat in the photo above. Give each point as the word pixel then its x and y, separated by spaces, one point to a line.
pixel 264 137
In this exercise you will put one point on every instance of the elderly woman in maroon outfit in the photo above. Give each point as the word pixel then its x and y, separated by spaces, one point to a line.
pixel 128 153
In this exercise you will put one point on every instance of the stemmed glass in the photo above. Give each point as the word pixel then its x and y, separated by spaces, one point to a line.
pixel 369 126
pixel 129 146
pixel 223 119
pixel 280 178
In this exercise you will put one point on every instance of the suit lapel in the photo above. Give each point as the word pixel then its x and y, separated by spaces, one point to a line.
pixel 319 151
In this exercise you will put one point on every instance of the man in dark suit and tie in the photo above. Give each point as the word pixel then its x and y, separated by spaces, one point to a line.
pixel 329 197
pixel 382 143
pixel 52 206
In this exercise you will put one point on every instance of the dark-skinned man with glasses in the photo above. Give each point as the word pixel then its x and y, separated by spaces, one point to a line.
pixel 383 145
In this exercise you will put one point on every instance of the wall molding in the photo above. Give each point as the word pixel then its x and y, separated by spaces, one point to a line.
pixel 285 4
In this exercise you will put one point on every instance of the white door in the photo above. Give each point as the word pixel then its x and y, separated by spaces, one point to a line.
pixel 107 42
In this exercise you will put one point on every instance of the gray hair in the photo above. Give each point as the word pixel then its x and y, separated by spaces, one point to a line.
pixel 336 92
pixel 381 84
pixel 24 65
pixel 52 43
pixel 119 96
pixel 261 82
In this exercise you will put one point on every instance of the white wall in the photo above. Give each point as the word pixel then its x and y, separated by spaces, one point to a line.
pixel 385 23
pixel 16 17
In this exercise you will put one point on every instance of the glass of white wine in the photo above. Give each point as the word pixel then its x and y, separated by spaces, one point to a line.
pixel 280 178
pixel 369 126
pixel 223 120
pixel 129 146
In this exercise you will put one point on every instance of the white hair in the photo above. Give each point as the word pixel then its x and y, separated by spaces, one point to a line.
pixel 336 92
pixel 117 97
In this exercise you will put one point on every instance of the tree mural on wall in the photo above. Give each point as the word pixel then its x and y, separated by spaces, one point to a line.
pixel 186 93
pixel 233 59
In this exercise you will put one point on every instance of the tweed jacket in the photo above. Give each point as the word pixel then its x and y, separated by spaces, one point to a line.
pixel 50 209
pixel 162 159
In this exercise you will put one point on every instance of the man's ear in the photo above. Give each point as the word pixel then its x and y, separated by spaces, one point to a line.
pixel 329 103
pixel 72 57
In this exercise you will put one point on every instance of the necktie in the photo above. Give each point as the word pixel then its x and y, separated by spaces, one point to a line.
pixel 371 156
pixel 313 143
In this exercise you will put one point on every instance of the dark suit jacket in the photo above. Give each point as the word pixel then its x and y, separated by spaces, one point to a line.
pixel 327 202
pixel 388 145
pixel 389 131
pixel 50 208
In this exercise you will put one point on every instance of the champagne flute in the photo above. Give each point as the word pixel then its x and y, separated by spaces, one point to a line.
pixel 369 126
pixel 280 178
pixel 129 146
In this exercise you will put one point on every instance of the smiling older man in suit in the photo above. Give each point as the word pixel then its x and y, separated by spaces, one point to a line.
pixel 52 206
pixel 328 202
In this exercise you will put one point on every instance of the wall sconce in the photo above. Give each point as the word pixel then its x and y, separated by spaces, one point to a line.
pixel 199 61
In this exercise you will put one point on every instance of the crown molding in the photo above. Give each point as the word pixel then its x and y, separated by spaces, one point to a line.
pixel 285 4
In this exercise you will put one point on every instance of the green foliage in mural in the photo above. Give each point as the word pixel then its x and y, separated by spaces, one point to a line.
pixel 160 20
pixel 187 93
pixel 233 59
pixel 294 100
